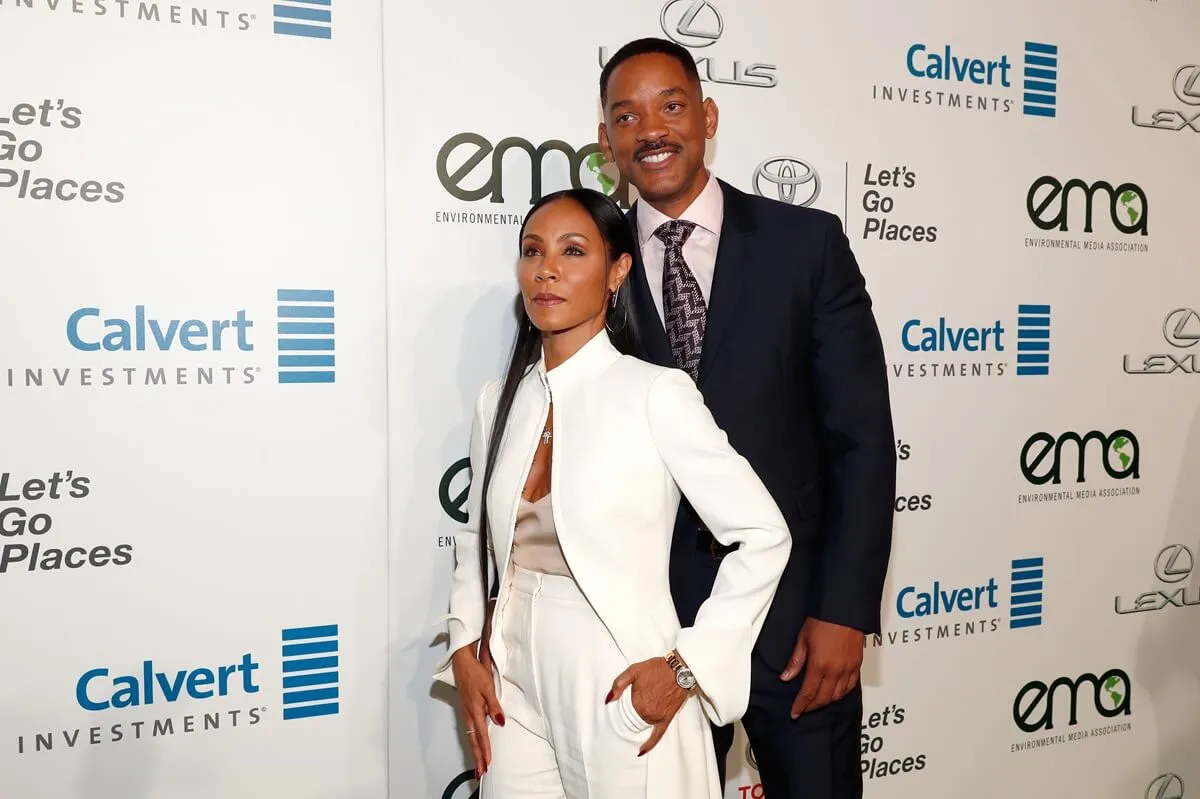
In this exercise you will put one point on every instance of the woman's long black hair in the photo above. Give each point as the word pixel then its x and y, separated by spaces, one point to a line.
pixel 619 324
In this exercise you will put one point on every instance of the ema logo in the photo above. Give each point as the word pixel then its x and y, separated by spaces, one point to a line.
pixel 948 610
pixel 987 83
pixel 944 349
pixel 308 18
pixel 1040 707
pixel 142 346
pixel 309 668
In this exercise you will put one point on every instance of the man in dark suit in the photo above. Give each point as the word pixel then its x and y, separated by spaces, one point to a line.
pixel 764 305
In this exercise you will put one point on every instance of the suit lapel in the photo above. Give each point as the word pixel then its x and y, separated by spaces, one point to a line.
pixel 650 327
pixel 729 276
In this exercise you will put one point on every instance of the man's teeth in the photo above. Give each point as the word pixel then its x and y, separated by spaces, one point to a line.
pixel 657 158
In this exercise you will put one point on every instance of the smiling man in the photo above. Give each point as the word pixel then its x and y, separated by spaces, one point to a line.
pixel 764 305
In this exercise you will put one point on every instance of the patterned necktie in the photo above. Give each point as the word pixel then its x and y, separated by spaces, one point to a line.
pixel 683 303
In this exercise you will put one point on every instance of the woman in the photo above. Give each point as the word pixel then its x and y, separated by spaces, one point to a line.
pixel 582 452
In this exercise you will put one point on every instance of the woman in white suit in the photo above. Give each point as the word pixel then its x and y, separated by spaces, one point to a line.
pixel 579 456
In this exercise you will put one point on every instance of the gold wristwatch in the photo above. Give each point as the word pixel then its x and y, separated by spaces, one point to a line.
pixel 683 675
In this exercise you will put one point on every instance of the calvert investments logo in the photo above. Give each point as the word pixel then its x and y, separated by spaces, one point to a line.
pixel 471 169
pixel 1172 566
pixel 940 610
pixel 1186 85
pixel 163 698
pixel 1046 459
pixel 306 19
pixel 144 346
pixel 953 77
pixel 698 25
pixel 1077 207
pixel 1042 708
pixel 310 19
pixel 1181 330
pixel 943 348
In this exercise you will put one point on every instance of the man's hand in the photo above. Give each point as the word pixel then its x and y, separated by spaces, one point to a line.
pixel 656 696
pixel 834 655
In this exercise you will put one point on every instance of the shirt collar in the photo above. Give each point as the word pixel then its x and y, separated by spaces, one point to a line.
pixel 706 211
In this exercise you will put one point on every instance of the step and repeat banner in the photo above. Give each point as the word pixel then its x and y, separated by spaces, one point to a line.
pixel 258 257
pixel 1019 186
pixel 192 401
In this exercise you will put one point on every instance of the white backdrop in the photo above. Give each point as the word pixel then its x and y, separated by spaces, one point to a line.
pixel 200 202
pixel 827 87
pixel 225 504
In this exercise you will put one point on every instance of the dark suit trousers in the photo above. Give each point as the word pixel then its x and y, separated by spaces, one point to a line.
pixel 814 757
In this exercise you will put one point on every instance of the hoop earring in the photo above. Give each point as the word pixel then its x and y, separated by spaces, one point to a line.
pixel 624 318
pixel 613 300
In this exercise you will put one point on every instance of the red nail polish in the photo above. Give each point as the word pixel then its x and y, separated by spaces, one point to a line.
pixel 500 719
pixel 608 698
pixel 641 753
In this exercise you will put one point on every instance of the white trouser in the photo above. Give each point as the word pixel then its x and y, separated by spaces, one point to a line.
pixel 560 740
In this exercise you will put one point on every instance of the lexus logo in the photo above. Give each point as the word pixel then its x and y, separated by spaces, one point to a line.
pixel 1165 786
pixel 1187 84
pixel 1181 328
pixel 1174 563
pixel 692 23
pixel 791 181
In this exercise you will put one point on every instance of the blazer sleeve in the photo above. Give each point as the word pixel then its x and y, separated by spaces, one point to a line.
pixel 737 508
pixel 855 433
pixel 464 622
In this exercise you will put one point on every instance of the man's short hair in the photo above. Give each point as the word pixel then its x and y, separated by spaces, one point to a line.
pixel 646 47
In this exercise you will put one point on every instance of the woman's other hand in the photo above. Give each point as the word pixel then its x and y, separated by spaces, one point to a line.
pixel 477 695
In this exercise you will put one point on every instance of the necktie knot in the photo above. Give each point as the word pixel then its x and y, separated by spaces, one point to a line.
pixel 675 232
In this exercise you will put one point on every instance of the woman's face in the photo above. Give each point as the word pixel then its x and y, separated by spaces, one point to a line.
pixel 566 281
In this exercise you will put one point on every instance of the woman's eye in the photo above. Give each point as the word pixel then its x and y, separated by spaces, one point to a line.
pixel 529 252
pixel 574 251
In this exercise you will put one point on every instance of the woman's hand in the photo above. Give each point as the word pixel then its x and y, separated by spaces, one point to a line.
pixel 656 696
pixel 477 694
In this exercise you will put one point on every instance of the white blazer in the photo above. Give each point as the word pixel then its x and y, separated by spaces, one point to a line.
pixel 629 436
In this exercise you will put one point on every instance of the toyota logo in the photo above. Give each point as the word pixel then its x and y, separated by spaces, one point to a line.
pixel 1173 564
pixel 1187 84
pixel 1165 786
pixel 693 27
pixel 794 181
pixel 1181 328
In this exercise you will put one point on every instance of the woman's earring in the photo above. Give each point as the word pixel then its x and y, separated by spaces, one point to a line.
pixel 614 296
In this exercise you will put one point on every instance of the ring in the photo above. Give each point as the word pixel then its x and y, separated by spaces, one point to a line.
pixel 470 732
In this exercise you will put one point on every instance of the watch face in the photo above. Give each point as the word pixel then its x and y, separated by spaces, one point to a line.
pixel 685 679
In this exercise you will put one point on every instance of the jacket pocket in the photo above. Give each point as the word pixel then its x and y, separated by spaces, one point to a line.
pixel 625 717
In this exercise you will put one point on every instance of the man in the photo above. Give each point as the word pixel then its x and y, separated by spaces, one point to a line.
pixel 764 305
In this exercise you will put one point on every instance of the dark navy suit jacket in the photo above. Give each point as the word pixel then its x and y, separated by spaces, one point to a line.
pixel 793 370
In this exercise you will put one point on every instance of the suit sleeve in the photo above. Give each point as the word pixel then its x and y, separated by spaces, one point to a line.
pixel 857 441
pixel 737 508
pixel 464 622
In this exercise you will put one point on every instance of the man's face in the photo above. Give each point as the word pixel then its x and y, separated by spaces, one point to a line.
pixel 655 127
